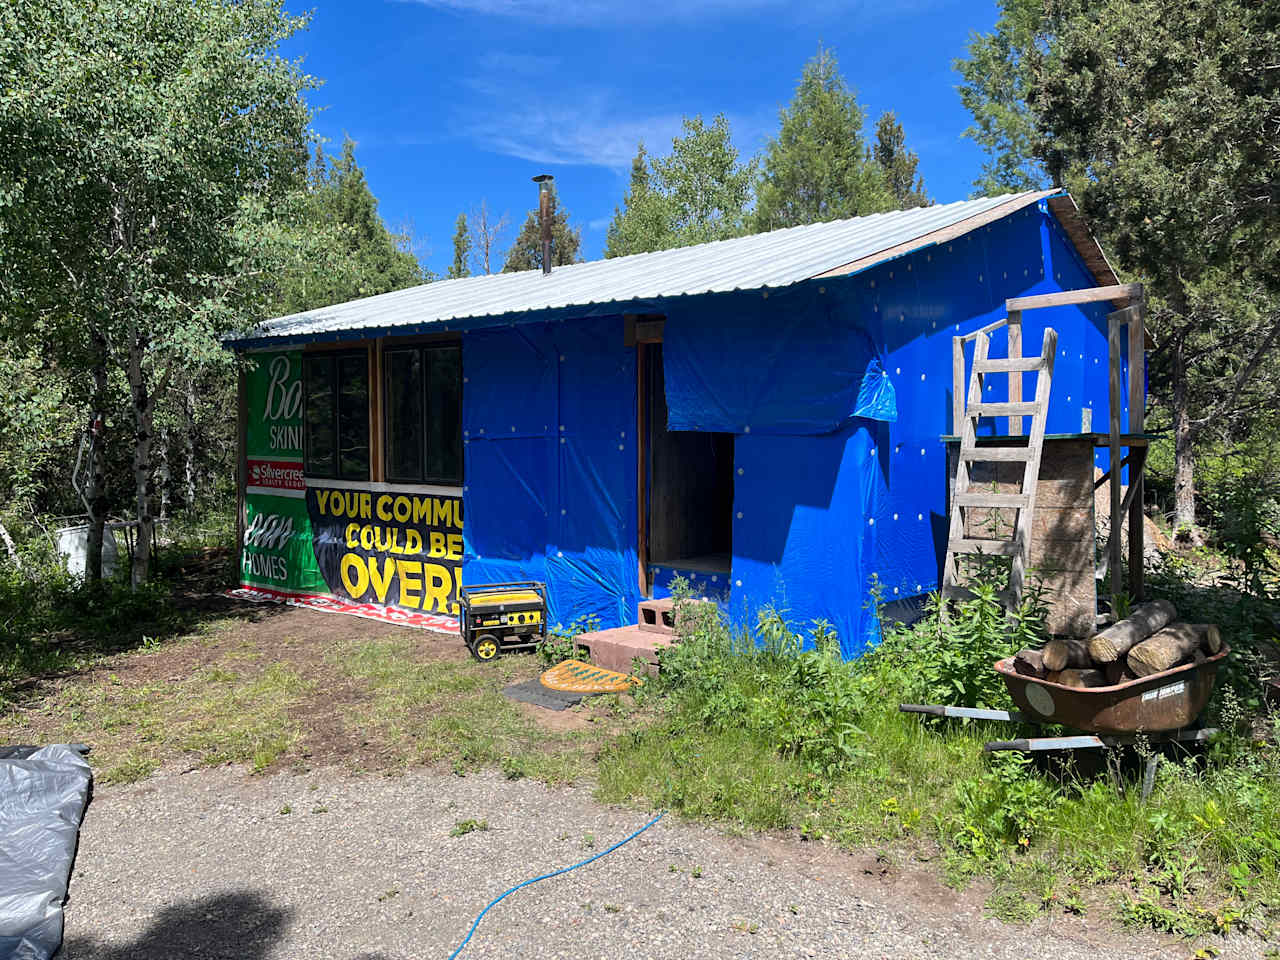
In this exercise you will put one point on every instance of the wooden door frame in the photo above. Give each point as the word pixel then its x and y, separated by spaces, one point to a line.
pixel 643 358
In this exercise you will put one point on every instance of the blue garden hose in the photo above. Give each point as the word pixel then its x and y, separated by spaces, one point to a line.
pixel 547 876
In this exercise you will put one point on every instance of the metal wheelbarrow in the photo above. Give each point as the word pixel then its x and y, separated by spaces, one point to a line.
pixel 1160 708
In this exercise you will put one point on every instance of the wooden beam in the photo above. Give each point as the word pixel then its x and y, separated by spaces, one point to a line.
pixel 1015 378
pixel 957 384
pixel 938 236
pixel 1113 371
pixel 986 331
pixel 1066 298
pixel 377 466
pixel 1137 531
pixel 242 465
pixel 1106 477
pixel 642 474
pixel 1137 424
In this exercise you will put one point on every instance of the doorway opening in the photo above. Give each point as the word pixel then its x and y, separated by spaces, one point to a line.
pixel 687 476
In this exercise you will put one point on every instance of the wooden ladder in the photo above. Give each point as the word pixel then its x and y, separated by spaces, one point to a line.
pixel 1019 546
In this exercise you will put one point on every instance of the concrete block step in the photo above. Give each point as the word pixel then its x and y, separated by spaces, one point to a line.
pixel 657 616
pixel 615 649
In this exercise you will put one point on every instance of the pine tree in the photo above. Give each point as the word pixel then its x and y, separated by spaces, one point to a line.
pixel 643 223
pixel 996 79
pixel 818 167
pixel 697 193
pixel 526 251
pixel 461 250
pixel 898 163
pixel 1162 116
pixel 335 246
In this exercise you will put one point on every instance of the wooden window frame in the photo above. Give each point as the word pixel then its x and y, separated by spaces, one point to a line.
pixel 420 345
pixel 334 355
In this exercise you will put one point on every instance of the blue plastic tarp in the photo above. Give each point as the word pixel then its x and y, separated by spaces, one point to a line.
pixel 549 431
pixel 837 391
pixel 789 364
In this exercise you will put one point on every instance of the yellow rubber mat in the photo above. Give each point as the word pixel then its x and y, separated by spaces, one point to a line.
pixel 574 676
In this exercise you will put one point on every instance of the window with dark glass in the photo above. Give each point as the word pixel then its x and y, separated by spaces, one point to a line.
pixel 337 415
pixel 424 413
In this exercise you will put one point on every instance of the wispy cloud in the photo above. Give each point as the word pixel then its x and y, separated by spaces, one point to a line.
pixel 582 134
pixel 590 126
pixel 603 12
pixel 594 131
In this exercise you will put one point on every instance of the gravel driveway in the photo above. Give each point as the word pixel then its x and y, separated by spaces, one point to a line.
pixel 206 864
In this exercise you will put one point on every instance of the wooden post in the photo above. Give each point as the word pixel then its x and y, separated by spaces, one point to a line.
pixel 1138 454
pixel 1113 371
pixel 377 466
pixel 642 473
pixel 957 385
pixel 242 466
pixel 1015 376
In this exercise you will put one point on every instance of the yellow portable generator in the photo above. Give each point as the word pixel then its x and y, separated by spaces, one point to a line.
pixel 502 616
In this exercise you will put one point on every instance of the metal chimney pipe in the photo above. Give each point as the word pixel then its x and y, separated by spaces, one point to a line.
pixel 544 182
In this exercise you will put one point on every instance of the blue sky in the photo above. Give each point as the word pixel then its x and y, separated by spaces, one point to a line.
pixel 455 101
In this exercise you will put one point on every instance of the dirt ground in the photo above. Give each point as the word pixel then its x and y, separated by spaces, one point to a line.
pixel 286 808
pixel 218 863
pixel 290 688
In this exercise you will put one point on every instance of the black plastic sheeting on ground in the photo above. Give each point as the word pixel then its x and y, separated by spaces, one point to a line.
pixel 534 692
pixel 43 794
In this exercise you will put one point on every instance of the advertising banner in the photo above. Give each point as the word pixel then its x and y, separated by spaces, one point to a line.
pixel 277 550
pixel 397 549
pixel 390 555
pixel 273 439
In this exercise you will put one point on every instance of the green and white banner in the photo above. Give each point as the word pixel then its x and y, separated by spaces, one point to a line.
pixel 392 553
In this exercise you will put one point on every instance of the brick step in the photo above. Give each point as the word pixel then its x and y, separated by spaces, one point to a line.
pixel 615 649
pixel 657 616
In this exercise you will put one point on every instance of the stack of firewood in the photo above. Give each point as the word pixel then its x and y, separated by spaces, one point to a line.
pixel 1151 639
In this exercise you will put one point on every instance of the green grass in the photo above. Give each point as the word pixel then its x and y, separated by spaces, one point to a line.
pixel 1202 855
pixel 454 711
pixel 51 624
pixel 747 732
pixel 210 717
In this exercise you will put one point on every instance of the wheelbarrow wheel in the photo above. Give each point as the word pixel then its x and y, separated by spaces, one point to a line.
pixel 486 647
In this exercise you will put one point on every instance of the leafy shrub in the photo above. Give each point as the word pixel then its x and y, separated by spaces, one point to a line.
pixel 804 703
pixel 1010 803
pixel 947 656
pixel 561 643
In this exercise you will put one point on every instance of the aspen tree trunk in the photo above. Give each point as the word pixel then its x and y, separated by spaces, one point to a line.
pixel 1184 453
pixel 96 489
pixel 144 485
pixel 163 475
pixel 189 450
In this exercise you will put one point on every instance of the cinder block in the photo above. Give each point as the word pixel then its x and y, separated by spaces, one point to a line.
pixel 657 616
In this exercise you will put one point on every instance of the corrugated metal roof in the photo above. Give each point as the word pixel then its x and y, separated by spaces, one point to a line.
pixel 758 261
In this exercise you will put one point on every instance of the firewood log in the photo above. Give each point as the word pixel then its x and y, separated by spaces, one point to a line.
pixel 1029 663
pixel 1118 671
pixel 1062 652
pixel 1168 647
pixel 1212 639
pixel 1118 639
pixel 1078 678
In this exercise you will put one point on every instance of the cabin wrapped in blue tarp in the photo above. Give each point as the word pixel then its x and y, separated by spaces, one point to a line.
pixel 763 416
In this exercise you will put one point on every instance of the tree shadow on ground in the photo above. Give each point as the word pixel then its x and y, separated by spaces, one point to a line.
pixel 229 926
